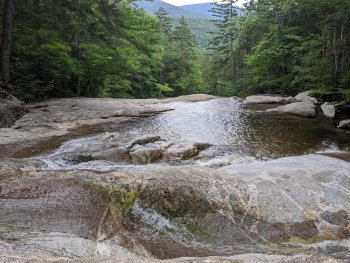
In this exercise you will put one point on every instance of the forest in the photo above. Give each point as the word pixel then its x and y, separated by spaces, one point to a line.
pixel 103 48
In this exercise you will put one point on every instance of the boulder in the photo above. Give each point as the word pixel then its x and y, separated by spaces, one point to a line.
pixel 345 124
pixel 10 111
pixel 304 96
pixel 328 109
pixel 264 99
pixel 181 151
pixel 305 109
pixel 146 154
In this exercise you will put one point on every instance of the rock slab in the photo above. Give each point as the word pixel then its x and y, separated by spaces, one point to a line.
pixel 305 109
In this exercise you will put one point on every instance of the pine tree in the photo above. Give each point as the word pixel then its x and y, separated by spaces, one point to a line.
pixel 225 39
pixel 165 20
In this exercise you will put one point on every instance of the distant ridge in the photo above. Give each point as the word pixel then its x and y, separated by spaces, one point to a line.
pixel 174 11
pixel 199 22
pixel 202 8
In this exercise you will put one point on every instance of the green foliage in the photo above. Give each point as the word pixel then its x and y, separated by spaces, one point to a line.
pixel 100 48
pixel 283 46
pixel 181 65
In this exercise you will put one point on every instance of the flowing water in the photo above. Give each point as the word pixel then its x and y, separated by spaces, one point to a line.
pixel 237 132
pixel 246 130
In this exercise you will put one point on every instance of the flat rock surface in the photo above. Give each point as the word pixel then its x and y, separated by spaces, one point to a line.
pixel 262 99
pixel 305 109
pixel 123 194
pixel 64 117
pixel 230 210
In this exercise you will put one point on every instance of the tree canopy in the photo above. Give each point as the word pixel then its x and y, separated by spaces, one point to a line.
pixel 110 48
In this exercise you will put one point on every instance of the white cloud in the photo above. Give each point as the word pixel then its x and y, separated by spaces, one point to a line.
pixel 188 2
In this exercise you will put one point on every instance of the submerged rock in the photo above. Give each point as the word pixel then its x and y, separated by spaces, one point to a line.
pixel 305 109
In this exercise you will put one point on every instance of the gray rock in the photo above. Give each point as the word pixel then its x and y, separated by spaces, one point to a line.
pixel 290 100
pixel 264 99
pixel 181 151
pixel 328 109
pixel 116 155
pixel 145 154
pixel 304 97
pixel 306 109
pixel 169 211
pixel 345 124
pixel 10 111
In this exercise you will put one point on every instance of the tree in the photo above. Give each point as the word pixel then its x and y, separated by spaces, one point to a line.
pixel 225 57
pixel 282 46
pixel 6 42
pixel 165 20
pixel 182 61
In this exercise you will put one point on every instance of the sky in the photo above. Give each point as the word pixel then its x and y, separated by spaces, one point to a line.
pixel 189 2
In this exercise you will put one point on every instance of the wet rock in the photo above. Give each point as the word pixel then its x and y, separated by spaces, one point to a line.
pixel 247 200
pixel 304 97
pixel 288 199
pixel 17 165
pixel 262 99
pixel 116 155
pixel 243 258
pixel 145 154
pixel 68 214
pixel 305 109
pixel 181 151
pixel 142 140
pixel 189 98
pixel 328 109
pixel 345 124
pixel 10 111
pixel 340 218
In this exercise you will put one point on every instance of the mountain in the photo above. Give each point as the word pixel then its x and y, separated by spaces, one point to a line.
pixel 199 22
pixel 174 11
pixel 202 8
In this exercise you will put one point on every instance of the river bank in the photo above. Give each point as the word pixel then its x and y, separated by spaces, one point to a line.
pixel 103 180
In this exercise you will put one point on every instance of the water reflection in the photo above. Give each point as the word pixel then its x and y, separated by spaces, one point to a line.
pixel 245 130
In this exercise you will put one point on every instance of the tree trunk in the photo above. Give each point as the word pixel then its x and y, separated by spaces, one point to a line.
pixel 6 42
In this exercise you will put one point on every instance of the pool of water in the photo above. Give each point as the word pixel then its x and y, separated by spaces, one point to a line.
pixel 237 132
pixel 247 130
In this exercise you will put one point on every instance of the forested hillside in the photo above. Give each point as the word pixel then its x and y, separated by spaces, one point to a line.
pixel 97 48
pixel 281 47
pixel 174 11
pixel 198 18
pixel 111 48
